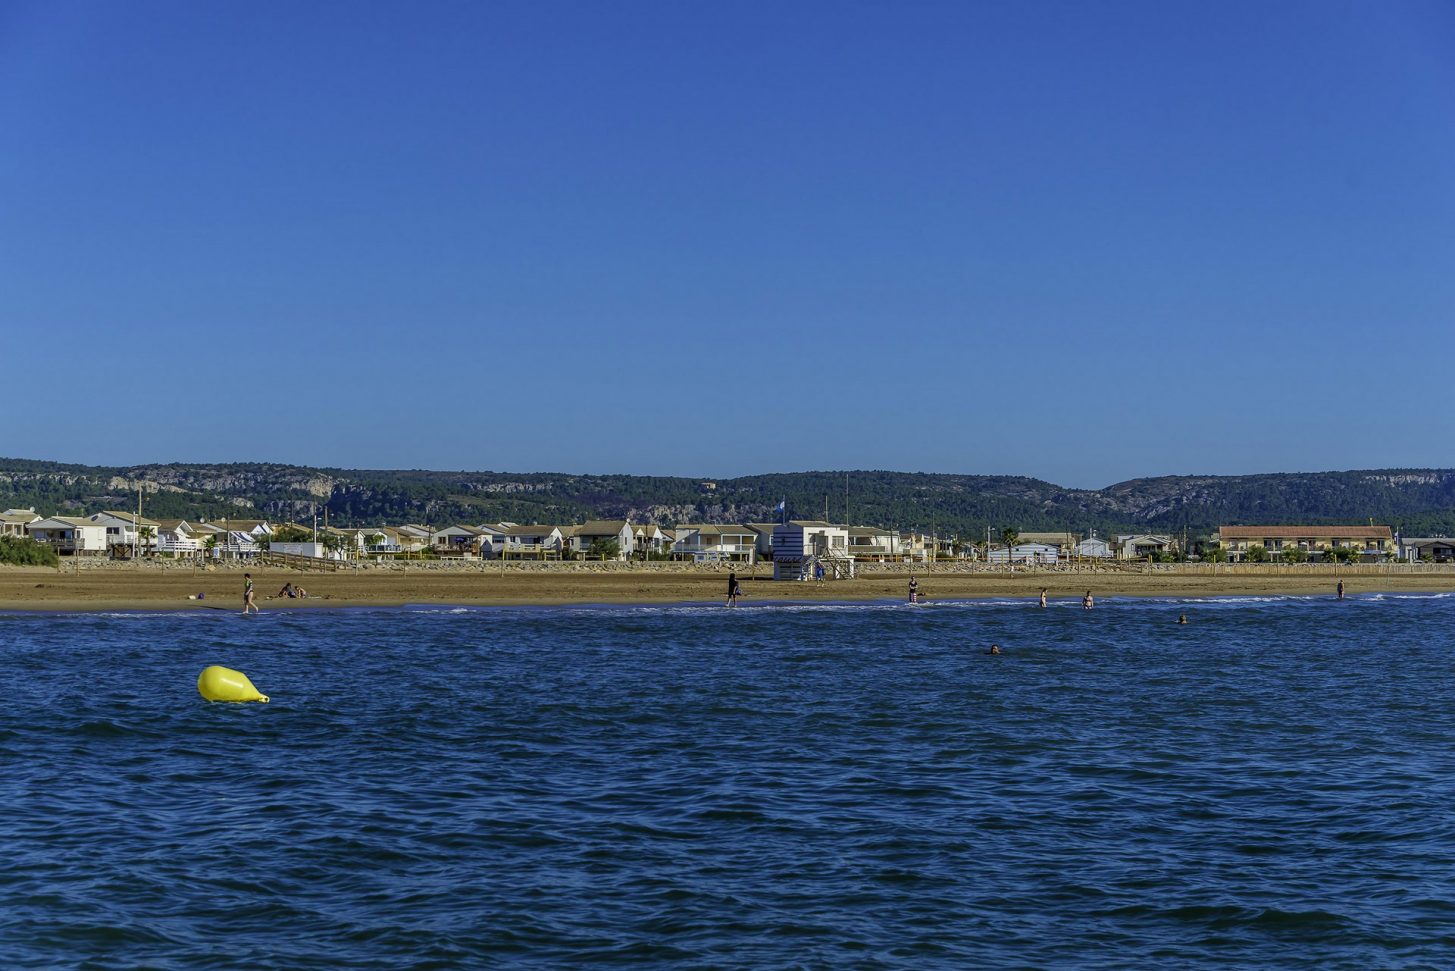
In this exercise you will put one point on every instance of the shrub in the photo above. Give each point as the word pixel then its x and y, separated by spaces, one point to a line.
pixel 24 551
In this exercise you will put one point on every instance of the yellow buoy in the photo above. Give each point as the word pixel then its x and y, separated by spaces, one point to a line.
pixel 218 683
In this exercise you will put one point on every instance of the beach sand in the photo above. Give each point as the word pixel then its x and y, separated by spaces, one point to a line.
pixel 147 589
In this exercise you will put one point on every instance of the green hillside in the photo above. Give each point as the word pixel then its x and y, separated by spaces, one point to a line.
pixel 1413 500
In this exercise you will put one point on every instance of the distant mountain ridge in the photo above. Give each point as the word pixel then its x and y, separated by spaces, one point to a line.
pixel 1414 500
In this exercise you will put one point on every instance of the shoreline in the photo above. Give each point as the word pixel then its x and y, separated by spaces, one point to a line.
pixel 43 589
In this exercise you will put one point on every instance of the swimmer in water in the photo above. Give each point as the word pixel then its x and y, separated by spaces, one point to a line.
pixel 1182 618
pixel 1087 602
pixel 1043 598
pixel 994 649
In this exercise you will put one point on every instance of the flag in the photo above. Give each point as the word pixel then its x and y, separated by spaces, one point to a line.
pixel 782 508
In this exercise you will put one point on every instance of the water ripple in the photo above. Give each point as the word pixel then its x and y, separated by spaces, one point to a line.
pixel 807 786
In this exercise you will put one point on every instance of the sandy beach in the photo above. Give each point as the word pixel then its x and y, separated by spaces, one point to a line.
pixel 120 588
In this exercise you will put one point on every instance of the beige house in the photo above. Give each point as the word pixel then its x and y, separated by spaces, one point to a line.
pixel 13 522
pixel 1372 542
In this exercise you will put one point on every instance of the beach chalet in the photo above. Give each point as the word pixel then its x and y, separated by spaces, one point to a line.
pixel 305 548
pixel 1093 548
pixel 1065 543
pixel 175 536
pixel 801 545
pixel 651 538
pixel 1034 553
pixel 201 531
pixel 599 532
pixel 1371 542
pixel 13 522
pixel 872 543
pixel 238 543
pixel 1139 546
pixel 706 543
pixel 70 534
pixel 1439 549
pixel 764 539
pixel 916 546
pixel 412 537
pixel 124 529
pixel 459 540
pixel 380 541
pixel 532 543
pixel 492 538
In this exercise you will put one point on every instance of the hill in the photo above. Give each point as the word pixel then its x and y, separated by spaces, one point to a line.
pixel 1414 500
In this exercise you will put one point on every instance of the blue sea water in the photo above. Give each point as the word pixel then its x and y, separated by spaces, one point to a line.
pixel 852 786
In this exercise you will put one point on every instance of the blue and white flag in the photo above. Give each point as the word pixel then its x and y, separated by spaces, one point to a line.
pixel 781 507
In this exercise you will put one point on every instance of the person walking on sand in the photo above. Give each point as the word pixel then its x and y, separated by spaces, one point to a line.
pixel 248 595
pixel 1043 598
pixel 735 589
pixel 1341 589
pixel 1087 602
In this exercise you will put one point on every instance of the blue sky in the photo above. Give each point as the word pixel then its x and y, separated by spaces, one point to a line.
pixel 1084 242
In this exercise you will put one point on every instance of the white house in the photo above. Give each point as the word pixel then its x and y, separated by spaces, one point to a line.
pixel 534 542
pixel 802 544
pixel 651 537
pixel 871 543
pixel 617 531
pixel 492 538
pixel 70 534
pixel 312 550
pixel 124 528
pixel 1093 548
pixel 1034 553
pixel 709 542
pixel 458 540
pixel 1138 546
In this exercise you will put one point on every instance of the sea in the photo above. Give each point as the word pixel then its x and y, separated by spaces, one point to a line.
pixel 1271 784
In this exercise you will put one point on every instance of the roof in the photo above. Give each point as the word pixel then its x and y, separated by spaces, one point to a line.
pixel 1049 539
pixel 18 517
pixel 868 531
pixel 65 521
pixel 529 530
pixel 601 527
pixel 127 517
pixel 1305 532
pixel 467 530
pixel 809 522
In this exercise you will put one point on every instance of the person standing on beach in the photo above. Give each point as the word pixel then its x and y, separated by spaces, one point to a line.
pixel 1087 602
pixel 1341 589
pixel 248 595
pixel 1043 598
pixel 735 589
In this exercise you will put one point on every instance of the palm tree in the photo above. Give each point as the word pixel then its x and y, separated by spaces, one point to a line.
pixel 1009 536
pixel 145 533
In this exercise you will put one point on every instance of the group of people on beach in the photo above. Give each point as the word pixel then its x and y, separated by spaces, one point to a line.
pixel 290 591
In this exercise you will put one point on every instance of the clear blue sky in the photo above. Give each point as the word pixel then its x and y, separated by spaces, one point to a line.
pixel 1080 241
